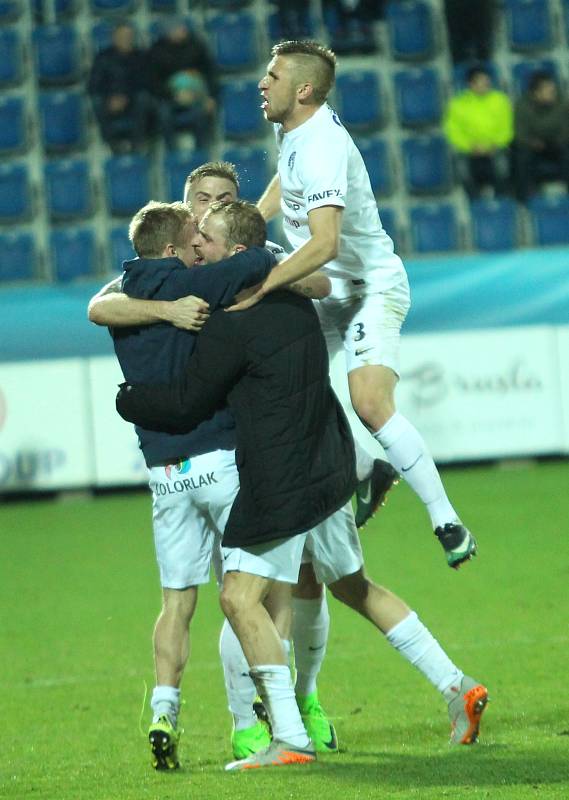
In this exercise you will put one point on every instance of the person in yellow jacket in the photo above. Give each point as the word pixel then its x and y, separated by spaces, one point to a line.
pixel 478 124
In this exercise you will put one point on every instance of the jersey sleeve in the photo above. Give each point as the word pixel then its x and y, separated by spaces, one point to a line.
pixel 323 167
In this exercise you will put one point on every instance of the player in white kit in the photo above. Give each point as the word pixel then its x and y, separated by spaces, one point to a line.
pixel 331 221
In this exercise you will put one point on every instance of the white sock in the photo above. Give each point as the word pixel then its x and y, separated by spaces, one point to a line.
pixel 406 450
pixel 310 626
pixel 274 685
pixel 238 684
pixel 417 644
pixel 165 700
pixel 364 462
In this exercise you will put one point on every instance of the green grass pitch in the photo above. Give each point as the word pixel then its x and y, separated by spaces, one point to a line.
pixel 79 597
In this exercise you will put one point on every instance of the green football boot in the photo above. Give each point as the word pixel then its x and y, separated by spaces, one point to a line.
pixel 458 543
pixel 319 728
pixel 164 739
pixel 250 740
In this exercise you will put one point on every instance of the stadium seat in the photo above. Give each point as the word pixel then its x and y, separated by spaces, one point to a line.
pixel 15 193
pixel 418 97
pixel 523 70
pixel 11 62
pixel 113 6
pixel 128 184
pixel 228 5
pixel 234 41
pixel 295 24
pixel 550 219
pixel 426 164
pixel 253 168
pixel 177 166
pixel 18 256
pixel 13 125
pixel 69 191
pixel 163 6
pixel 56 51
pixel 73 253
pixel 410 28
pixel 388 218
pixel 528 24
pixel 360 100
pixel 62 8
pixel 494 224
pixel 120 247
pixel 375 153
pixel 434 228
pixel 241 114
pixel 62 121
pixel 10 10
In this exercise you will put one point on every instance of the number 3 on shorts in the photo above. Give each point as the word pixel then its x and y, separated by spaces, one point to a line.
pixel 360 333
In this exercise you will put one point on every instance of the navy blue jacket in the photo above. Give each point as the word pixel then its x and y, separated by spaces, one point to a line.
pixel 159 353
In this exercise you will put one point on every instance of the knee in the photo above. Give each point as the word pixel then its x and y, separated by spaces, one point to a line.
pixel 374 410
pixel 180 605
pixel 351 590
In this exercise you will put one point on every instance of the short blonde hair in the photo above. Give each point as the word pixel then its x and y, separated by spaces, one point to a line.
pixel 244 223
pixel 214 169
pixel 314 63
pixel 157 225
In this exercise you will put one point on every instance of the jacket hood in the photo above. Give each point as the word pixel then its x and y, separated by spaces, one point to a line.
pixel 146 275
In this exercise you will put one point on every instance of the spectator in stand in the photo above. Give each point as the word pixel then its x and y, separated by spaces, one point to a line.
pixel 478 123
pixel 541 144
pixel 355 17
pixel 470 27
pixel 118 88
pixel 293 19
pixel 183 82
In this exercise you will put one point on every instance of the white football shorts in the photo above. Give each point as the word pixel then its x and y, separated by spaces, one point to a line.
pixel 278 560
pixel 191 501
pixel 333 547
pixel 367 326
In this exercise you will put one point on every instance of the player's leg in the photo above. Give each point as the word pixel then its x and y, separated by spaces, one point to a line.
pixel 372 347
pixel 249 575
pixel 465 697
pixel 310 627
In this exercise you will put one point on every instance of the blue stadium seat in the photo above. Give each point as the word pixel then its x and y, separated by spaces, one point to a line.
pixel 297 24
pixel 18 256
pixel 360 100
pixel 375 153
pixel 389 222
pixel 523 70
pixel 62 120
pixel 434 228
pixel 10 10
pixel 177 166
pixel 15 192
pixel 120 247
pixel 528 24
pixel 241 113
pixel 69 191
pixel 57 57
pixel 411 31
pixel 426 164
pixel 13 125
pixel 62 8
pixel 494 224
pixel 113 6
pixel 163 6
pixel 418 97
pixel 234 41
pixel 11 63
pixel 128 184
pixel 228 5
pixel 253 168
pixel 73 253
pixel 550 219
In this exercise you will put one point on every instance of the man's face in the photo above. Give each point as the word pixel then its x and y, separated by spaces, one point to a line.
pixel 480 83
pixel 278 89
pixel 208 190
pixel 185 251
pixel 546 93
pixel 123 38
pixel 210 242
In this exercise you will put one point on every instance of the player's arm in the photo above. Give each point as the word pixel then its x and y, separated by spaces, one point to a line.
pixel 316 286
pixel 112 308
pixel 269 203
pixel 214 368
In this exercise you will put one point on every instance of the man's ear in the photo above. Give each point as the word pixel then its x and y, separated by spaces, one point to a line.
pixel 238 248
pixel 304 93
pixel 170 250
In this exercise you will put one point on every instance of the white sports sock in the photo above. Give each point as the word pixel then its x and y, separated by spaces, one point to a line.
pixel 238 684
pixel 165 701
pixel 364 462
pixel 417 644
pixel 274 685
pixel 310 626
pixel 406 450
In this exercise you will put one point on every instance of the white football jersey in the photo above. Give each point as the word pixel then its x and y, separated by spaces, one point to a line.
pixel 319 165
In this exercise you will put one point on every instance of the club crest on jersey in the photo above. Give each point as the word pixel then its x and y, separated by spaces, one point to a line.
pixel 336 119
pixel 291 160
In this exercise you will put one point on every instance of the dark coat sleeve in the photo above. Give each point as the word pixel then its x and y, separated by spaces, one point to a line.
pixel 214 368
pixel 219 283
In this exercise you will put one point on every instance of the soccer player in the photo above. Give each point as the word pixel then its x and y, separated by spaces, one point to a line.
pixel 331 221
